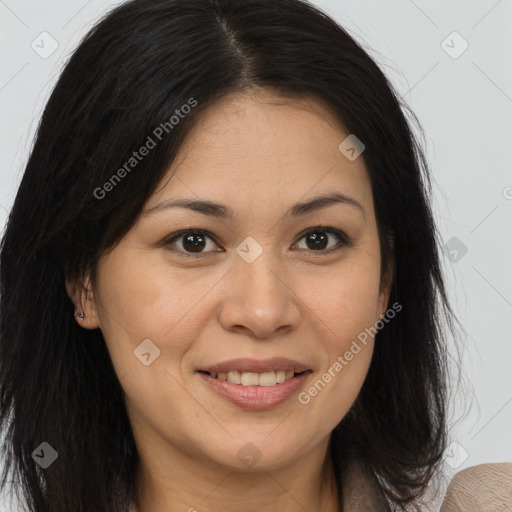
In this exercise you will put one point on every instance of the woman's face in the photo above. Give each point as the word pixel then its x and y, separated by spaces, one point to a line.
pixel 260 282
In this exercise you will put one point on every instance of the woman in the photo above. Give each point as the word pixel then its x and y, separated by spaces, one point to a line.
pixel 220 278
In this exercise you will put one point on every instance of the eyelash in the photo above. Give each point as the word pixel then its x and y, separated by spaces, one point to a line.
pixel 344 240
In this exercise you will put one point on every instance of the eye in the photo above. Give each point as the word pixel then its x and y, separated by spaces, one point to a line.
pixel 192 242
pixel 317 239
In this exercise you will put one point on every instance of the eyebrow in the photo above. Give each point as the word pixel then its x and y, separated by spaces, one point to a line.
pixel 221 211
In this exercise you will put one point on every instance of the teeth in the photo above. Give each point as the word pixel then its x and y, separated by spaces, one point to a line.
pixel 254 379
pixel 267 379
pixel 280 377
pixel 250 379
pixel 234 377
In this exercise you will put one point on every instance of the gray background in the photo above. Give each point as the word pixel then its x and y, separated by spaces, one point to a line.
pixel 463 102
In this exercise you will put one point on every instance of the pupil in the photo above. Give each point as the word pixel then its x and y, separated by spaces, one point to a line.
pixel 195 247
pixel 319 240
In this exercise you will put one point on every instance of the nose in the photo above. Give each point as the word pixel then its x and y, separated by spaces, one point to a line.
pixel 259 299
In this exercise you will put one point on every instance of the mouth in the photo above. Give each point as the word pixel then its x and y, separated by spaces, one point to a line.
pixel 255 396
pixel 262 379
pixel 256 384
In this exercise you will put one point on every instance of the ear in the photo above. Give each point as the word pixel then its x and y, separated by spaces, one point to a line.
pixel 82 295
pixel 387 282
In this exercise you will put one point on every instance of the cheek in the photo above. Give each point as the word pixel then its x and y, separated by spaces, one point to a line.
pixel 347 341
pixel 136 302
pixel 344 306
pixel 139 303
pixel 344 300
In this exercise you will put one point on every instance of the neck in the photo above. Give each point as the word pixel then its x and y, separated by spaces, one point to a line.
pixel 180 484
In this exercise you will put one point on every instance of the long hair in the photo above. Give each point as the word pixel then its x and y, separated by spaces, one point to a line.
pixel 129 76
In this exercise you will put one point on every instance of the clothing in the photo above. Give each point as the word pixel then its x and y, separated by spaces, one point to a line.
pixel 480 488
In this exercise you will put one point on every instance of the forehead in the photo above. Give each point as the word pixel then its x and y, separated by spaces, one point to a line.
pixel 263 148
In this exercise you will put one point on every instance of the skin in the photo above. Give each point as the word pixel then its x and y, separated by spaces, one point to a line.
pixel 258 154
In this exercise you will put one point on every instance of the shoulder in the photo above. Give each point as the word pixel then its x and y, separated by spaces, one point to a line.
pixel 481 487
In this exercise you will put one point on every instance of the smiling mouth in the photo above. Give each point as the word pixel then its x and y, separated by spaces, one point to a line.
pixel 263 379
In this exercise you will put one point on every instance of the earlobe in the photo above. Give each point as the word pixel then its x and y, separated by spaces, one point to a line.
pixel 82 296
pixel 383 303
pixel 385 289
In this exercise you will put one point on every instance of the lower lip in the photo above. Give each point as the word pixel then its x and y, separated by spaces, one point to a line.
pixel 255 397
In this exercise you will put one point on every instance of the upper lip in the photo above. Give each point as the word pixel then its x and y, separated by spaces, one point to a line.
pixel 257 365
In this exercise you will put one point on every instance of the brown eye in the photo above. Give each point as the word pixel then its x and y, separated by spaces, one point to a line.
pixel 318 240
pixel 193 242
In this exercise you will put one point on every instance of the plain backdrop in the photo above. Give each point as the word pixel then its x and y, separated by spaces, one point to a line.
pixel 451 61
